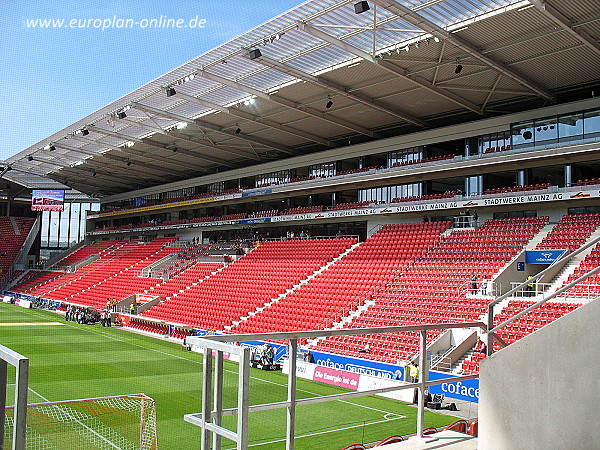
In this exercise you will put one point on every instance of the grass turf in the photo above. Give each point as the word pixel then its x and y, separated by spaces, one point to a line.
pixel 71 361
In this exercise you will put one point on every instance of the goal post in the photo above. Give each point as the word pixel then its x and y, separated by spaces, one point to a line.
pixel 117 422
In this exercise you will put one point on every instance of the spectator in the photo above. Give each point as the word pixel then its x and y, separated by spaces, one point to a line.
pixel 483 286
pixel 530 286
pixel 480 347
pixel 309 358
pixel 413 373
pixel 473 284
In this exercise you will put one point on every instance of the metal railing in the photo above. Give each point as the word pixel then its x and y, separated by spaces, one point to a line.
pixel 585 291
pixel 492 330
pixel 21 257
pixel 214 348
pixel 21 365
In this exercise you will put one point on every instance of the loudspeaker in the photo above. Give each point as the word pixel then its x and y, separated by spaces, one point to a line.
pixel 361 7
pixel 253 54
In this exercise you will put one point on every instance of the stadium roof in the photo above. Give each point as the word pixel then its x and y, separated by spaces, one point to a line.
pixel 16 184
pixel 322 76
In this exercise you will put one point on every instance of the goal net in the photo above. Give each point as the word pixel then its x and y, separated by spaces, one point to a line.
pixel 119 422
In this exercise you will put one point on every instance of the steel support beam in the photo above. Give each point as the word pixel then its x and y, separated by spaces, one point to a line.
pixel 287 103
pixel 343 90
pixel 207 386
pixel 428 26
pixel 3 383
pixel 84 185
pixel 563 21
pixel 159 146
pixel 257 119
pixel 291 409
pixel 390 67
pixel 217 414
pixel 147 166
pixel 243 427
pixel 209 126
pixel 204 143
pixel 423 371
pixel 141 154
pixel 21 365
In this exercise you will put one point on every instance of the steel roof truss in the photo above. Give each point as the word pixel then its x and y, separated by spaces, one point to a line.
pixel 257 119
pixel 560 19
pixel 216 128
pixel 320 81
pixel 158 146
pixel 390 67
pixel 288 103
pixel 418 20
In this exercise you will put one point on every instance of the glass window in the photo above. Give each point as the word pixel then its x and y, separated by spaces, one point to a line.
pixel 546 131
pixel 522 135
pixel 570 127
pixel 54 226
pixel 405 155
pixel 74 223
pixel 387 194
pixel 218 187
pixel 45 228
pixel 322 170
pixel 473 185
pixel 283 176
pixel 63 230
pixel 591 124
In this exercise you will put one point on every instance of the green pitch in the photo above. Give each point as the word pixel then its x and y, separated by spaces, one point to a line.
pixel 71 361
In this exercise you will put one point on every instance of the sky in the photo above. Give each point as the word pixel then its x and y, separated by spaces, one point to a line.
pixel 88 54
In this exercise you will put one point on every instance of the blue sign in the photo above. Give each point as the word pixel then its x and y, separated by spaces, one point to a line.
pixel 357 365
pixel 542 256
pixel 520 266
pixel 259 220
pixel 252 194
pixel 467 390
pixel 462 390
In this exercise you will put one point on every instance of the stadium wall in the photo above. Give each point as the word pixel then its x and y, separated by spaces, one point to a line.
pixel 543 391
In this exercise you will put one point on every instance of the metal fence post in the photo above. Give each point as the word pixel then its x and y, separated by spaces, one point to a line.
pixel 3 383
pixel 206 398
pixel 243 399
pixel 422 380
pixel 291 409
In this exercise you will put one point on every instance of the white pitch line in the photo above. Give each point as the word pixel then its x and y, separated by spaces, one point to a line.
pixel 78 421
pixel 321 432
pixel 129 341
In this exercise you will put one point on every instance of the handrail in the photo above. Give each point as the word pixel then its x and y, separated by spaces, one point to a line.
pixel 564 258
pixel 307 238
pixel 491 334
pixel 545 299
pixel 33 232
pixel 6 278
pixel 210 419
pixel 21 365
